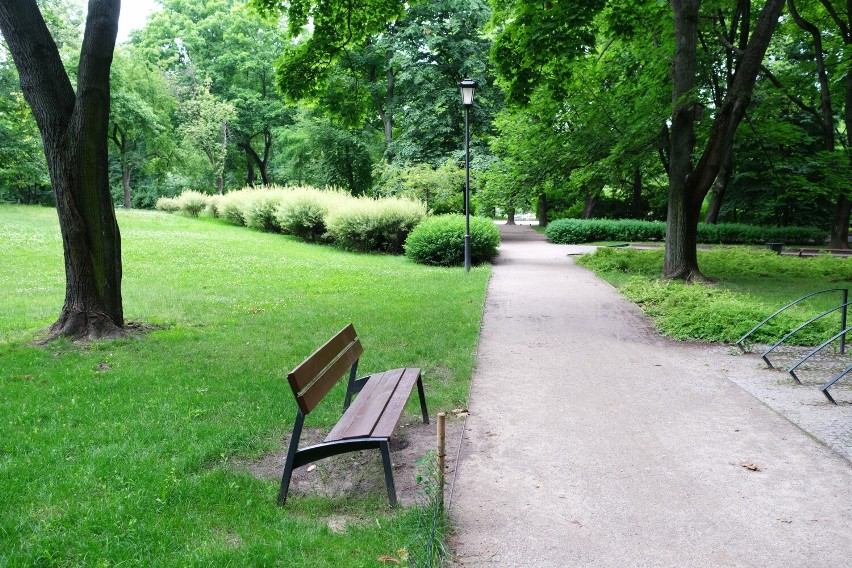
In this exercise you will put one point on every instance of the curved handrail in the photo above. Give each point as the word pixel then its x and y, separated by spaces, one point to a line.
pixel 739 342
pixel 813 351
pixel 832 381
pixel 786 337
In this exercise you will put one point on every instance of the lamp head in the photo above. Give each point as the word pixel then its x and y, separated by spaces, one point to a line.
pixel 467 87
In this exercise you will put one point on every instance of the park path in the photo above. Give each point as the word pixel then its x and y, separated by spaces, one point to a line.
pixel 592 441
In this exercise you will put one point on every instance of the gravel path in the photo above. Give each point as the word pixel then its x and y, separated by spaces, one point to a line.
pixel 592 441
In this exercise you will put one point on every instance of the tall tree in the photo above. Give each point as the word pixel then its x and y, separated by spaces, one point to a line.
pixel 74 127
pixel 690 181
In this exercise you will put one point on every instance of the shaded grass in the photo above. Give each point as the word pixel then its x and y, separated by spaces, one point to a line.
pixel 749 285
pixel 119 452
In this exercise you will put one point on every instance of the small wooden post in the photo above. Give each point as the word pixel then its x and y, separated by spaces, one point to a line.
pixel 442 453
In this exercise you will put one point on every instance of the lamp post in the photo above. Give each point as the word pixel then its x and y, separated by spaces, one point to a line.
pixel 467 87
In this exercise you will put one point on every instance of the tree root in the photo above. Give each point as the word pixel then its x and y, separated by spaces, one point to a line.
pixel 80 325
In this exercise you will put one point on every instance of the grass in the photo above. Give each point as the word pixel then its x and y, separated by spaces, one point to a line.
pixel 121 452
pixel 749 284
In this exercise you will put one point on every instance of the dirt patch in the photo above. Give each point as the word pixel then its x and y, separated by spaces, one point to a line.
pixel 359 474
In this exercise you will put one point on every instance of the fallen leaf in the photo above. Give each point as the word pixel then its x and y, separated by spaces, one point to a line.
pixel 387 559
pixel 311 467
pixel 752 467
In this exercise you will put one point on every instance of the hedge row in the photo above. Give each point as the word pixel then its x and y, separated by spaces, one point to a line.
pixel 574 231
pixel 336 217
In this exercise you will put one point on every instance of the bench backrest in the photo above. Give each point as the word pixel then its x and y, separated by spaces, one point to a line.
pixel 318 374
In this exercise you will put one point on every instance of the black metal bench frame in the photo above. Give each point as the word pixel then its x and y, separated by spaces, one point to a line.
pixel 317 375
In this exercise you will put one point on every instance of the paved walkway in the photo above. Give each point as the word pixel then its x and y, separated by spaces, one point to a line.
pixel 594 442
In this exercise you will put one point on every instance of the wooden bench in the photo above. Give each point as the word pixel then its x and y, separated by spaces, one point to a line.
pixel 367 422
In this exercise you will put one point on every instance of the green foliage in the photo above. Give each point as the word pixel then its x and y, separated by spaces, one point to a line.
pixel 303 217
pixel 192 202
pixel 439 241
pixel 574 231
pixel 751 285
pixel 368 225
pixel 137 451
pixel 167 204
pixel 441 189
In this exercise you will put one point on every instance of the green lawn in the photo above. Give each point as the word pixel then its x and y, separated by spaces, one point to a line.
pixel 120 453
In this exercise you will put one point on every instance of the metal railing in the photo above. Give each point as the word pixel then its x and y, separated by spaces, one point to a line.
pixel 844 304
pixel 832 381
pixel 814 351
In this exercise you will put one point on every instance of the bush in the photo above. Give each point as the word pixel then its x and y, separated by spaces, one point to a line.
pixel 259 207
pixel 375 225
pixel 439 241
pixel 303 216
pixel 214 205
pixel 167 204
pixel 192 202
pixel 576 231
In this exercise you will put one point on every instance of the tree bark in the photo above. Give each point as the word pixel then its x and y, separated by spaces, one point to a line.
pixel 542 210
pixel 719 187
pixel 74 128
pixel 688 184
pixel 510 216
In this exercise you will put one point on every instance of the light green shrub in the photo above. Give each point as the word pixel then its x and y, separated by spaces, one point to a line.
pixel 192 202
pixel 439 241
pixel 303 215
pixel 214 205
pixel 167 204
pixel 259 208
pixel 369 225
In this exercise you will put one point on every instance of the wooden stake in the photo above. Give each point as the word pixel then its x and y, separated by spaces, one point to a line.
pixel 442 452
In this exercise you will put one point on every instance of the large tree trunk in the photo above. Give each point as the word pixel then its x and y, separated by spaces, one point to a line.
pixel 840 225
pixel 636 209
pixel 74 129
pixel 688 184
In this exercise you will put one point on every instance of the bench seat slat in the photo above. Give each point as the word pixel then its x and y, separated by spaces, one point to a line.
pixel 377 409
pixel 393 411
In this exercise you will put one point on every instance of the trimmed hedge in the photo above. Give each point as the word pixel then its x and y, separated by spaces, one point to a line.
pixel 368 225
pixel 439 241
pixel 575 231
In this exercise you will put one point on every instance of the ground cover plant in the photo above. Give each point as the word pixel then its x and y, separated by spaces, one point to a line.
pixel 749 284
pixel 124 452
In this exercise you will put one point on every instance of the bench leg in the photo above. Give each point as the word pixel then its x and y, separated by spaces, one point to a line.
pixel 384 446
pixel 422 400
pixel 291 457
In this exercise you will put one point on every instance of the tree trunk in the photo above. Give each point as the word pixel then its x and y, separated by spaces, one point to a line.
pixel 688 184
pixel 250 175
pixel 542 210
pixel 589 206
pixel 74 129
pixel 719 187
pixel 840 225
pixel 510 216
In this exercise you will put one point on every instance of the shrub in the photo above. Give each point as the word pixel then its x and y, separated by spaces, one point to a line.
pixel 576 231
pixel 259 206
pixel 374 225
pixel 303 216
pixel 231 207
pixel 167 204
pixel 214 205
pixel 192 202
pixel 439 241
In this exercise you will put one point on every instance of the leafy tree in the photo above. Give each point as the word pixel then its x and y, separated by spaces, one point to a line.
pixel 205 124
pixel 74 132
pixel 141 113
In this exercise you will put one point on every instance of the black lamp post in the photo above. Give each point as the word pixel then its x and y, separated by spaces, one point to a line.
pixel 467 87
